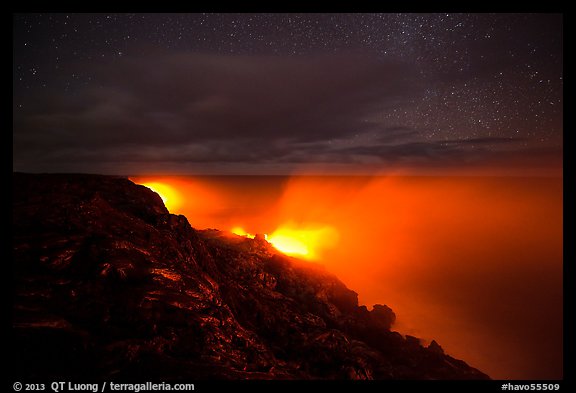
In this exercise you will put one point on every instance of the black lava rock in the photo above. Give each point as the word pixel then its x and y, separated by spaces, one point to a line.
pixel 108 284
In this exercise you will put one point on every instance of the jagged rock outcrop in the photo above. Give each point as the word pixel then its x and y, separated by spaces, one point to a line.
pixel 107 283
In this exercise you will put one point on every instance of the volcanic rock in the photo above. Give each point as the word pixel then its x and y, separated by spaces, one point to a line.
pixel 435 347
pixel 108 284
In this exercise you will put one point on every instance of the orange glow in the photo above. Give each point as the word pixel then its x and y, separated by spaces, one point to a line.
pixel 306 243
pixel 241 232
pixel 289 244
pixel 171 198
pixel 192 198
pixel 462 260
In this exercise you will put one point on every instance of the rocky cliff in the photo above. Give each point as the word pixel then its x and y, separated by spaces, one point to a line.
pixel 108 284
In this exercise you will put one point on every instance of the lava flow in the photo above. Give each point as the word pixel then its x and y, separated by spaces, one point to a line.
pixel 241 232
pixel 305 243
pixel 170 197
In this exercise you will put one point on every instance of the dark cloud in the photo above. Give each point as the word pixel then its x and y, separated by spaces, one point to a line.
pixel 456 151
pixel 206 109
pixel 482 141
pixel 188 104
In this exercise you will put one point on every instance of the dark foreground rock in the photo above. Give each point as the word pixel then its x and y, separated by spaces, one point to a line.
pixel 108 284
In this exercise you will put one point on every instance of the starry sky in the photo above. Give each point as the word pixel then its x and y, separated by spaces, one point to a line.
pixel 281 93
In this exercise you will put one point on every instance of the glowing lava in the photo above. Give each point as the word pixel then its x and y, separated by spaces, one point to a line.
pixel 299 242
pixel 306 242
pixel 291 242
pixel 241 232
pixel 170 197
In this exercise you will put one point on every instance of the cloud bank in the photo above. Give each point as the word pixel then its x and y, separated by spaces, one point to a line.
pixel 187 112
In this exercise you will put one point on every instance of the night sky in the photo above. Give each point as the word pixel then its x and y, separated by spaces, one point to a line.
pixel 277 93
